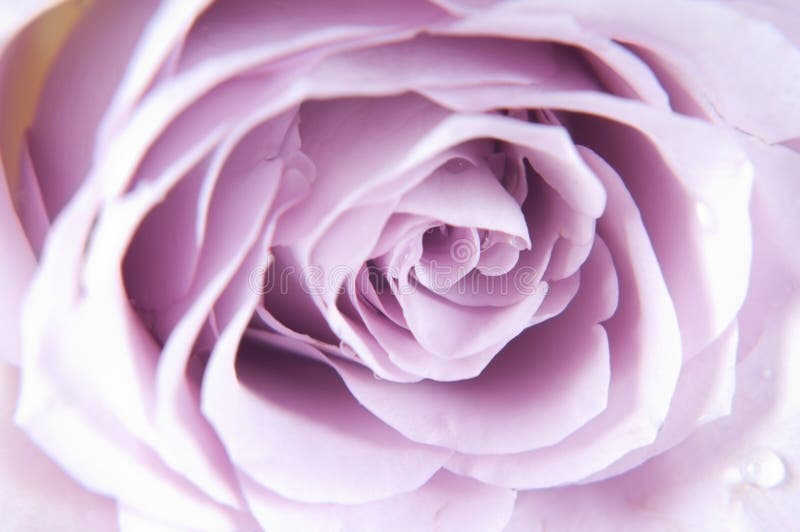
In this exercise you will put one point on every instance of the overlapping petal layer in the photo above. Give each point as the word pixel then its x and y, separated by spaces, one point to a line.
pixel 316 266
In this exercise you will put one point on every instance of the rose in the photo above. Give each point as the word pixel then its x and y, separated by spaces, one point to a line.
pixel 76 304
pixel 617 197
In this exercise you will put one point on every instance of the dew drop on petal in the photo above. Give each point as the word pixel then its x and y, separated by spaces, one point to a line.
pixel 763 468
pixel 457 165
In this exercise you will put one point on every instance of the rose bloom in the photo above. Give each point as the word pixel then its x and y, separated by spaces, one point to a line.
pixel 368 265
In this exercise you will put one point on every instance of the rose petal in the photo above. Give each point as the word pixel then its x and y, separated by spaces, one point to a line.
pixel 426 61
pixel 61 138
pixel 688 34
pixel 155 491
pixel 316 446
pixel 16 271
pixel 542 386
pixel 454 331
pixel 365 441
pixel 59 319
pixel 704 393
pixel 248 194
pixel 702 240
pixel 776 192
pixel 774 277
pixel 469 198
pixel 613 64
pixel 166 26
pixel 31 482
pixel 339 137
pixel 559 296
pixel 168 233
pixel 30 206
pixel 14 18
pixel 646 358
pixel 287 305
pixel 445 502
pixel 406 352
pixel 447 256
pixel 783 14
pixel 59 401
pixel 712 480
pixel 268 32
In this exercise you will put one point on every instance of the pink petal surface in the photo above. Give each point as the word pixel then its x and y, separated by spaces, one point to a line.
pixel 30 206
pixel 644 345
pixel 34 493
pixel 719 228
pixel 168 24
pixel 461 61
pixel 736 473
pixel 445 502
pixel 781 13
pixel 760 49
pixel 468 198
pixel 704 393
pixel 15 17
pixel 454 331
pixel 614 64
pixel 55 397
pixel 16 271
pixel 537 391
pixel 71 106
pixel 317 446
pixel 172 132
pixel 230 29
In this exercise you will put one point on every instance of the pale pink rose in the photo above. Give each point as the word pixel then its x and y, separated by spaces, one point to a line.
pixel 424 265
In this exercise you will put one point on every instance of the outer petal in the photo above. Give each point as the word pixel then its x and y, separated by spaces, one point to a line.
pixel 34 493
pixel 23 65
pixel 738 473
pixel 782 13
pixel 14 16
pixel 704 394
pixel 686 35
pixel 291 424
pixel 62 136
pixel 59 405
pixel 16 272
pixel 446 502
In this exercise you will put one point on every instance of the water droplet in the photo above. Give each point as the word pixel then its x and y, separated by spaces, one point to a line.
pixel 763 469
pixel 704 214
pixel 457 165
